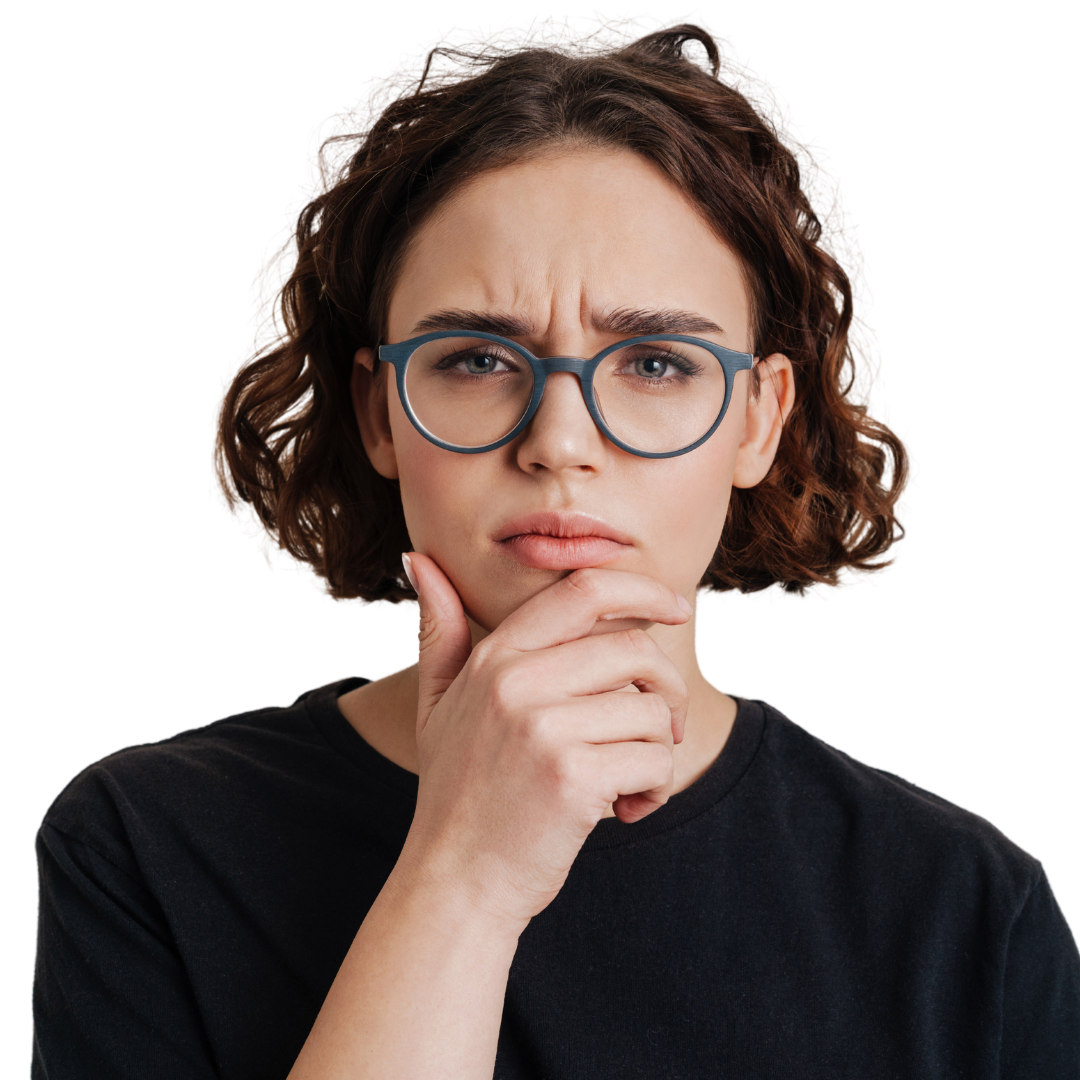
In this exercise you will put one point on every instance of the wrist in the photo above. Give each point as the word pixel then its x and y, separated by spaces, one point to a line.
pixel 435 881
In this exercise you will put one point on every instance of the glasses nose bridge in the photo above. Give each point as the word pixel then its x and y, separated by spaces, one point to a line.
pixel 573 365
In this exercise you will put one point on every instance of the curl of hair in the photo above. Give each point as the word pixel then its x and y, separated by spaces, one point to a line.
pixel 288 442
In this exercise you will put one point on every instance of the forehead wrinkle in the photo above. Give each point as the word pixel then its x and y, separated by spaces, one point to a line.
pixel 628 321
pixel 516 280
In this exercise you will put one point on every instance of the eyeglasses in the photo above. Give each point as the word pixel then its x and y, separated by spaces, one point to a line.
pixel 655 396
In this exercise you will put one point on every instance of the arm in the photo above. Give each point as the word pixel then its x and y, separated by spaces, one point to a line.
pixel 1041 1006
pixel 111 997
pixel 420 992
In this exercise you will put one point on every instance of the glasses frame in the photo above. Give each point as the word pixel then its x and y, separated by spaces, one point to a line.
pixel 401 352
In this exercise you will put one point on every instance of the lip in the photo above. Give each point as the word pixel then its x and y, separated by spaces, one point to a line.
pixel 561 525
pixel 561 552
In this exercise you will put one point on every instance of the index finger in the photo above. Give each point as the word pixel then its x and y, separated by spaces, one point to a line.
pixel 571 607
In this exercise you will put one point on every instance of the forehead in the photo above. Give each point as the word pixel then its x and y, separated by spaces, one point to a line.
pixel 569 233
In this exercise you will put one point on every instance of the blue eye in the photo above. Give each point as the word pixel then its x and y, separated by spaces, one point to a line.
pixel 481 364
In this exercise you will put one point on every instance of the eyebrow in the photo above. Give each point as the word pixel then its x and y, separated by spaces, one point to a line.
pixel 629 321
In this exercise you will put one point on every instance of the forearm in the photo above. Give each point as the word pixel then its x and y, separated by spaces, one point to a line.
pixel 420 993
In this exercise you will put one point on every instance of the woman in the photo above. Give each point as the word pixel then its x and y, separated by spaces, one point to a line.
pixel 562 347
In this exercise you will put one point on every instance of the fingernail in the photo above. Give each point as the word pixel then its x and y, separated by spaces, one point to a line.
pixel 407 563
pixel 683 603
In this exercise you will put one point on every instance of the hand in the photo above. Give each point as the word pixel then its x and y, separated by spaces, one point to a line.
pixel 526 740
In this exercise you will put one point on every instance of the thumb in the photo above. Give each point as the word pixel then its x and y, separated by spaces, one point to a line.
pixel 445 638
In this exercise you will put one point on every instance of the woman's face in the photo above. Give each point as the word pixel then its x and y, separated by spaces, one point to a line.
pixel 574 250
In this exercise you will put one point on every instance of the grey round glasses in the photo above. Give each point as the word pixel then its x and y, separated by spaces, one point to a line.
pixel 400 352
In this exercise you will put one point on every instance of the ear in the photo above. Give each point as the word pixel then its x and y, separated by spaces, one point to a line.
pixel 766 412
pixel 369 395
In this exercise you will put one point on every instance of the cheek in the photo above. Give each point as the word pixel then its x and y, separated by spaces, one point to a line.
pixel 416 455
pixel 419 475
pixel 442 493
pixel 688 499
pixel 695 488
pixel 420 490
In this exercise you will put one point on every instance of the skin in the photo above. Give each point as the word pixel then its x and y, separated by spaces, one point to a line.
pixel 513 243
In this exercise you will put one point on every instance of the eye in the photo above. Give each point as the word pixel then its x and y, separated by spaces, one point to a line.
pixel 656 365
pixel 477 360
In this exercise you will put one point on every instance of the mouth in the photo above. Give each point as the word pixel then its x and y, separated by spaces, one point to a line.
pixel 559 525
pixel 561 541
pixel 562 553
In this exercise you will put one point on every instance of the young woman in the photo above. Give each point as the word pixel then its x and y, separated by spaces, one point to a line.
pixel 561 348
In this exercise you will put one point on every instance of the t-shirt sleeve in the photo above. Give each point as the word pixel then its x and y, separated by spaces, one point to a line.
pixel 110 994
pixel 1041 1008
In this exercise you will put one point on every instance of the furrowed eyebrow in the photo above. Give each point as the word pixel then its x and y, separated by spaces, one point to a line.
pixel 628 321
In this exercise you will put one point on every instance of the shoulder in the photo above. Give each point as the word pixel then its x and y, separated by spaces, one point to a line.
pixel 149 790
pixel 877 820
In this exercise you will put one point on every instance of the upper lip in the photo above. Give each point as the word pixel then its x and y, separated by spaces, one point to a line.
pixel 563 525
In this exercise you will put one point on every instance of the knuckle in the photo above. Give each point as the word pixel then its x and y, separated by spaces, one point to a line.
pixel 664 595
pixel 638 641
pixel 535 726
pixel 504 689
pixel 589 582
pixel 658 708
pixel 564 769
pixel 483 654
pixel 665 763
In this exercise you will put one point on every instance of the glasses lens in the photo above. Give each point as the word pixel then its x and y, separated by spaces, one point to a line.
pixel 655 396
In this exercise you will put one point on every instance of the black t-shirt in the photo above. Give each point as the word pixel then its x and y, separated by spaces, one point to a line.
pixel 791 914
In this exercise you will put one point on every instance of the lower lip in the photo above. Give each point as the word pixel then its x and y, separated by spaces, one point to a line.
pixel 562 552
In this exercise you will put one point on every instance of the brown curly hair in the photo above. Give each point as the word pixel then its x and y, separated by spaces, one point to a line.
pixel 288 442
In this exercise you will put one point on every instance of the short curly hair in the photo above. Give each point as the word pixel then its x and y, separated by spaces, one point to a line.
pixel 288 442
